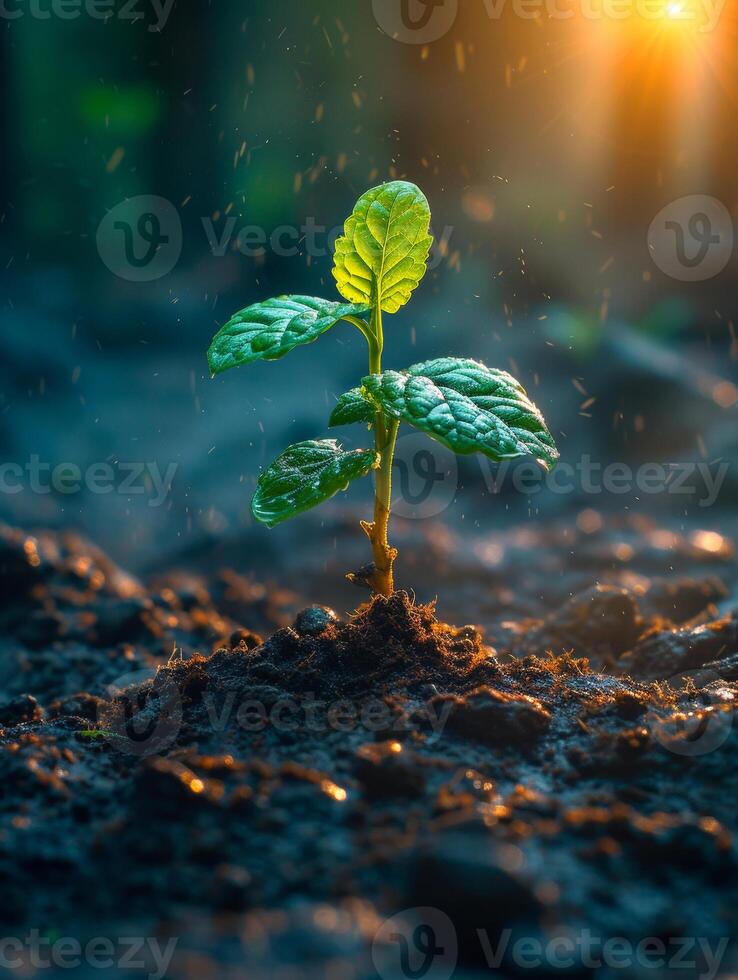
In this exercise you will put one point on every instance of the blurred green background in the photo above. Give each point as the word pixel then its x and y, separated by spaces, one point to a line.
pixel 547 146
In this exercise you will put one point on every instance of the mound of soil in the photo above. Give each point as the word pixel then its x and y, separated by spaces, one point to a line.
pixel 270 803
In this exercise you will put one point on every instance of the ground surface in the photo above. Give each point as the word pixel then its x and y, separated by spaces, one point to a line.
pixel 269 803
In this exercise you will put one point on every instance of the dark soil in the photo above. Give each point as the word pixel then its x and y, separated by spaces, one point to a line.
pixel 270 802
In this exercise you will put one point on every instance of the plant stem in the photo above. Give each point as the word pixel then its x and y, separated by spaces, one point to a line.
pixel 385 437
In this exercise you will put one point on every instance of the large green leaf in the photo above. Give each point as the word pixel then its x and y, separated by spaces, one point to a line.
pixel 382 254
pixel 466 406
pixel 352 406
pixel 305 475
pixel 269 330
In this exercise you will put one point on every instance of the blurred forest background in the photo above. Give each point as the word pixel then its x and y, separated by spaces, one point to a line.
pixel 546 148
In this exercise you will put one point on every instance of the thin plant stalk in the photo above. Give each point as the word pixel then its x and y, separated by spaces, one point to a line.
pixel 385 438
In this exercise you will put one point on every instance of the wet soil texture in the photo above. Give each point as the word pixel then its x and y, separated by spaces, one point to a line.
pixel 267 782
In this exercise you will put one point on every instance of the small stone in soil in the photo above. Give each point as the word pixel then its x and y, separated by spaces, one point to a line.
pixel 314 620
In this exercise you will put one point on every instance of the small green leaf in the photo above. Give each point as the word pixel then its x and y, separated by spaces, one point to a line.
pixel 305 475
pixel 381 257
pixel 269 330
pixel 466 406
pixel 351 407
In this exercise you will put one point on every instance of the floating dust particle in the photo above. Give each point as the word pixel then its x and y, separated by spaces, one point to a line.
pixel 725 394
pixel 733 341
pixel 114 162
pixel 337 793
pixel 30 549
pixel 712 542
pixel 478 205
pixel 589 521
pixel 623 551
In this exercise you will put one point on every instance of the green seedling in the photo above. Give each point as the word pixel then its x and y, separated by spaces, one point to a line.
pixel 468 407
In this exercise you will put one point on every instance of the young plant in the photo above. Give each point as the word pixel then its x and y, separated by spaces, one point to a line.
pixel 379 261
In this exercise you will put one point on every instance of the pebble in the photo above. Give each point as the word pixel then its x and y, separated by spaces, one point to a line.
pixel 315 620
